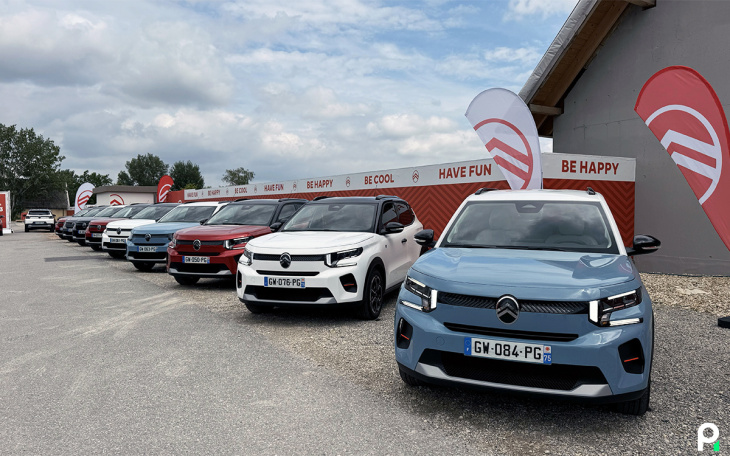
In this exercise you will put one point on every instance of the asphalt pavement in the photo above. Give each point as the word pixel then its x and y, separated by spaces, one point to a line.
pixel 97 357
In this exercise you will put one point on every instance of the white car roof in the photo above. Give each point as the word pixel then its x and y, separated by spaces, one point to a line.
pixel 539 195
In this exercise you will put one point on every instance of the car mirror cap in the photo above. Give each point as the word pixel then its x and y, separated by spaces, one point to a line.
pixel 275 226
pixel 643 244
pixel 425 237
pixel 393 227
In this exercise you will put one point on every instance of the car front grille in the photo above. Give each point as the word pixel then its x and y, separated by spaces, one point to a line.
pixel 288 273
pixel 186 242
pixel 269 257
pixel 535 306
pixel 199 268
pixel 115 246
pixel 562 377
pixel 511 333
pixel 288 294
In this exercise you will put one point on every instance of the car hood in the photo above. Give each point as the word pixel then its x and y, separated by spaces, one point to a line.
pixel 222 232
pixel 164 228
pixel 128 224
pixel 532 274
pixel 308 241
pixel 103 221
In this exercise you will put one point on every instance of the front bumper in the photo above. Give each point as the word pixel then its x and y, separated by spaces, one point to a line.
pixel 221 264
pixel 323 285
pixel 159 255
pixel 120 244
pixel 588 367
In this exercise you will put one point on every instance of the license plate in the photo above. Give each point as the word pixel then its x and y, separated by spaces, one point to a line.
pixel 96 235
pixel 147 249
pixel 82 231
pixel 196 259
pixel 37 223
pixel 283 282
pixel 513 351
pixel 117 240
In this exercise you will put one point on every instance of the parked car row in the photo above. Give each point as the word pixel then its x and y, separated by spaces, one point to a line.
pixel 526 291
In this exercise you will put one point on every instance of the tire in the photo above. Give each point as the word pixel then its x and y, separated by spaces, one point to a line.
pixel 145 266
pixel 26 228
pixel 81 243
pixel 408 379
pixel 95 248
pixel 117 255
pixel 638 406
pixel 51 229
pixel 185 280
pixel 372 301
pixel 256 309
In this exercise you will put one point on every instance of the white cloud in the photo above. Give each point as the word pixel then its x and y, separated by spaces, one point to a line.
pixel 520 9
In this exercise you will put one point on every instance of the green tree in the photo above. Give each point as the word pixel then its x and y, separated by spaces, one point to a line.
pixel 73 181
pixel 186 175
pixel 238 176
pixel 143 170
pixel 29 166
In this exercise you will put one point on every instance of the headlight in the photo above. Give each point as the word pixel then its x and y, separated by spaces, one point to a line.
pixel 247 257
pixel 428 295
pixel 173 241
pixel 599 311
pixel 237 243
pixel 336 260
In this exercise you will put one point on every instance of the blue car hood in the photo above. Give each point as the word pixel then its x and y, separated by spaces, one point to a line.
pixel 529 273
pixel 163 228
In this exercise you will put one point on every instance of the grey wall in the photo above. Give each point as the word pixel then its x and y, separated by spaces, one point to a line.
pixel 599 119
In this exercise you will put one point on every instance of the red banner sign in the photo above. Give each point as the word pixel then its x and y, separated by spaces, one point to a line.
pixel 5 220
pixel 163 188
pixel 682 110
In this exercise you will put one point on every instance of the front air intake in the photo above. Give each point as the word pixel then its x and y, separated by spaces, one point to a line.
pixel 404 334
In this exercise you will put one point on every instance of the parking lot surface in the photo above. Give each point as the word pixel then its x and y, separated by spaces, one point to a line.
pixel 99 357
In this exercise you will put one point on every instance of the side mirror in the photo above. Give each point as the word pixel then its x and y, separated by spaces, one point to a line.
pixel 392 227
pixel 643 244
pixel 425 238
pixel 275 226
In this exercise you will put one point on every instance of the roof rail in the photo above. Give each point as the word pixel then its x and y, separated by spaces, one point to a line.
pixel 379 197
pixel 291 199
pixel 321 197
pixel 590 191
pixel 485 190
pixel 241 199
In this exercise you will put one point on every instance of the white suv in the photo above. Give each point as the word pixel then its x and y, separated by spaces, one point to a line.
pixel 39 218
pixel 349 250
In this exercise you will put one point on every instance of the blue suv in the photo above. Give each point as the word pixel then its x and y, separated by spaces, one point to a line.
pixel 147 244
pixel 530 291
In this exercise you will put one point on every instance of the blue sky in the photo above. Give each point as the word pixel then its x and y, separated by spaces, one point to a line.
pixel 286 89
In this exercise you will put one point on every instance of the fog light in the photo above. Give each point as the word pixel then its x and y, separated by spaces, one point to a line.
pixel 404 334
pixel 632 356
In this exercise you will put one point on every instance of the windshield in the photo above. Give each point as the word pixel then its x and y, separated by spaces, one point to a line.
pixel 89 212
pixel 37 212
pixel 153 212
pixel 129 211
pixel 109 211
pixel 244 214
pixel 533 225
pixel 188 213
pixel 333 217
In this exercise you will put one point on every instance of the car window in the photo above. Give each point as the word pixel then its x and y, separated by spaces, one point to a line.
pixel 36 213
pixel 108 211
pixel 389 214
pixel 91 212
pixel 129 211
pixel 153 212
pixel 405 214
pixel 244 214
pixel 358 217
pixel 188 213
pixel 538 225
pixel 287 211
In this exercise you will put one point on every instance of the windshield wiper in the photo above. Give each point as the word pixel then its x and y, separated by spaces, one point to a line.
pixel 527 247
pixel 473 246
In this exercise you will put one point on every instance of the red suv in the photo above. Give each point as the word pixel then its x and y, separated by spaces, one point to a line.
pixel 213 249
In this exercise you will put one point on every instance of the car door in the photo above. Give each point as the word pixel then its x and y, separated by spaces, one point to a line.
pixel 407 218
pixel 395 253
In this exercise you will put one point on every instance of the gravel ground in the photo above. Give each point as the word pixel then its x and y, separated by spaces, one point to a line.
pixel 691 380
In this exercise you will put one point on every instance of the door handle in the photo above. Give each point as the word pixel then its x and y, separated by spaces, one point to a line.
pixel 404 241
